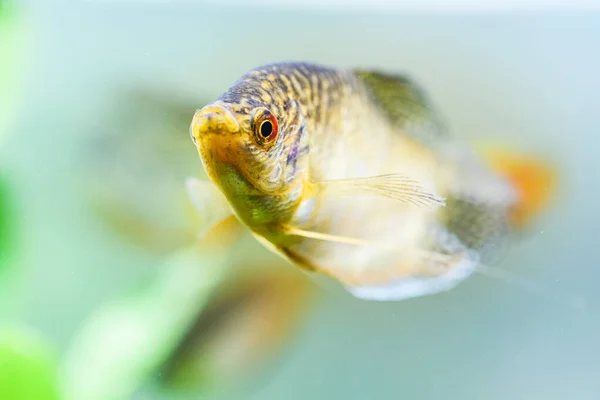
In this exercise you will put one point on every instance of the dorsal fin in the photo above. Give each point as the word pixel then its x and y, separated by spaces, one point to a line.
pixel 405 104
pixel 479 226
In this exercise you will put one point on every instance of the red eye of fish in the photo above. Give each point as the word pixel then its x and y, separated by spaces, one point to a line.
pixel 266 128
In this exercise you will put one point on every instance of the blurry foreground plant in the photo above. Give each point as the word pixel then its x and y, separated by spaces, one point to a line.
pixel 201 321
pixel 6 225
pixel 126 339
pixel 28 366
pixel 14 41
pixel 207 318
pixel 247 320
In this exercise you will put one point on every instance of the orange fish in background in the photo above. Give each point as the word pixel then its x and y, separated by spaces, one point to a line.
pixel 351 174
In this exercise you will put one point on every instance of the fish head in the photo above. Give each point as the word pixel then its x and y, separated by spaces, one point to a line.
pixel 251 151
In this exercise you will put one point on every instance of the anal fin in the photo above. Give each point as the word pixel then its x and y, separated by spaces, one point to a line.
pixel 411 286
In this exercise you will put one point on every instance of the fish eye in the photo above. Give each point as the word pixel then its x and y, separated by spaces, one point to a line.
pixel 265 127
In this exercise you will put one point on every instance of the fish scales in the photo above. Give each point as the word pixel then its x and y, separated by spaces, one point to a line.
pixel 338 179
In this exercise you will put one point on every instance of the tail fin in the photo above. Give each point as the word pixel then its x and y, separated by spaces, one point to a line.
pixel 533 178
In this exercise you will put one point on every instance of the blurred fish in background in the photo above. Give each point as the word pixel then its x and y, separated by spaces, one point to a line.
pixel 209 329
pixel 213 319
pixel 241 331
pixel 134 165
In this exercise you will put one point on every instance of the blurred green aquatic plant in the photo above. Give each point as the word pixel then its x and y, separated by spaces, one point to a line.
pixel 169 327
pixel 247 320
pixel 126 339
pixel 14 42
pixel 205 319
pixel 6 225
pixel 28 366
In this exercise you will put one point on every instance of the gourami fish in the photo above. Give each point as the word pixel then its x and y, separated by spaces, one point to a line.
pixel 352 174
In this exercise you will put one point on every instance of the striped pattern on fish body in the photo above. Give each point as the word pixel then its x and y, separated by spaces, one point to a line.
pixel 348 175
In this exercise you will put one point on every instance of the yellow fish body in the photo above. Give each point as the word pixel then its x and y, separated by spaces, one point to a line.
pixel 351 174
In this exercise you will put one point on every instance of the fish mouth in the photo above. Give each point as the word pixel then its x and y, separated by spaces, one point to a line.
pixel 216 153
pixel 213 119
pixel 213 131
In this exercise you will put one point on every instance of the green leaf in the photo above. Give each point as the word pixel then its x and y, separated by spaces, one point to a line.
pixel 125 340
pixel 28 366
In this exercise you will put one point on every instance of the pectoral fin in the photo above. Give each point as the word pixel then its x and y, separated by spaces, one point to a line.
pixel 432 256
pixel 392 186
pixel 211 205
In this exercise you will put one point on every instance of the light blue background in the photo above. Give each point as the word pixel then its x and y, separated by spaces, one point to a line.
pixel 531 80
